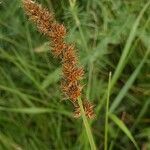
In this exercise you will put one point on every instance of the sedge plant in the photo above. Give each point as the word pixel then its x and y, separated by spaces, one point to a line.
pixel 72 72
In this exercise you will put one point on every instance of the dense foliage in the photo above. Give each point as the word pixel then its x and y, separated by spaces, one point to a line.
pixel 33 115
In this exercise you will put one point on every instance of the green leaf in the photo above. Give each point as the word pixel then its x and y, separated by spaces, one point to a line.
pixel 127 47
pixel 51 78
pixel 123 127
pixel 128 84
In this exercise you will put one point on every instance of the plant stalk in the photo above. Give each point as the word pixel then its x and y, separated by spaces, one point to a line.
pixel 87 126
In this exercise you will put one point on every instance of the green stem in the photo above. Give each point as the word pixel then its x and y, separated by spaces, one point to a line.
pixel 77 21
pixel 106 117
pixel 87 127
pixel 89 80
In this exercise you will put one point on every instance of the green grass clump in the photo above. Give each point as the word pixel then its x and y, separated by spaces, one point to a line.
pixel 111 36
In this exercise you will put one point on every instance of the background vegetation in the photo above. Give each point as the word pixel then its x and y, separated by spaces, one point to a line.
pixel 106 33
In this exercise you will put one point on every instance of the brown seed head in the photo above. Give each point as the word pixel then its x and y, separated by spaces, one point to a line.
pixel 88 108
pixel 58 31
pixel 58 48
pixel 72 91
pixel 72 74
pixel 69 55
pixel 39 15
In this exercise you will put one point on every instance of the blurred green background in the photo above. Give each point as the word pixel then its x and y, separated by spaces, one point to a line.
pixel 110 35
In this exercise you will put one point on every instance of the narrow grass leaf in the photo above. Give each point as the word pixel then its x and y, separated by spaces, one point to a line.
pixel 51 78
pixel 123 127
pixel 9 143
pixel 143 110
pixel 32 110
pixel 127 47
pixel 128 84
pixel 106 116
pixel 35 110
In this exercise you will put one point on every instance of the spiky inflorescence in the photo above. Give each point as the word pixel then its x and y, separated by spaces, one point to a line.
pixel 88 108
pixel 72 74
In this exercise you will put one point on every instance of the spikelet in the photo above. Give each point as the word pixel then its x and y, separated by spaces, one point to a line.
pixel 71 91
pixel 69 55
pixel 58 31
pixel 39 15
pixel 72 74
pixel 88 108
pixel 57 48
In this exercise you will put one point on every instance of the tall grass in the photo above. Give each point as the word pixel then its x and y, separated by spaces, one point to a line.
pixel 110 36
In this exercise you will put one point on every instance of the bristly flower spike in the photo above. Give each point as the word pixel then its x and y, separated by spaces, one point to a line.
pixel 72 74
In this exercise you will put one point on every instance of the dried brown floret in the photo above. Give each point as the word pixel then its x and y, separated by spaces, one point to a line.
pixel 88 108
pixel 73 91
pixel 57 31
pixel 58 48
pixel 41 16
pixel 69 55
pixel 72 73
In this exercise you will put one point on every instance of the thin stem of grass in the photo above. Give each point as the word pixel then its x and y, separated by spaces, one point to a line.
pixel 106 116
pixel 77 21
pixel 87 126
pixel 128 84
pixel 89 80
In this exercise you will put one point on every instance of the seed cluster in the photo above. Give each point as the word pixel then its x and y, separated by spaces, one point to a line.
pixel 72 73
pixel 88 108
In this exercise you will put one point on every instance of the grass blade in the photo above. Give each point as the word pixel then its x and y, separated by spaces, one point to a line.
pixel 122 126
pixel 127 47
pixel 128 84
pixel 51 78
pixel 106 116
pixel 144 109
pixel 124 56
